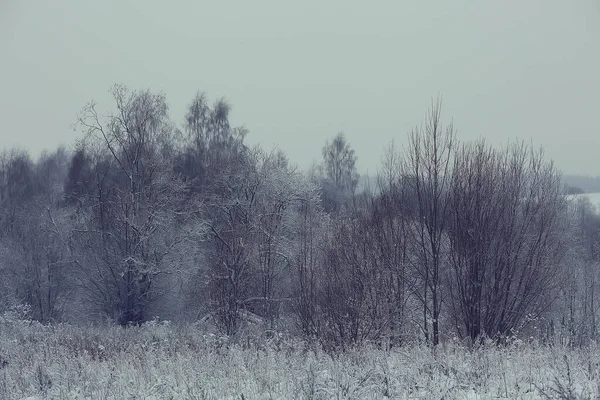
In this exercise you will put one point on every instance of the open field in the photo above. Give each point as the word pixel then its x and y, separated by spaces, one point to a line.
pixel 160 361
pixel 594 198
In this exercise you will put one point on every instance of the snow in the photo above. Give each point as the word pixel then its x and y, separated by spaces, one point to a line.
pixel 593 197
pixel 165 361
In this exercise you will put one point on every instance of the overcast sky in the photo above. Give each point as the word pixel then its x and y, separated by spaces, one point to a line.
pixel 298 72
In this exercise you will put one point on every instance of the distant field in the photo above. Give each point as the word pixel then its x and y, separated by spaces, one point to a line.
pixel 159 361
pixel 594 198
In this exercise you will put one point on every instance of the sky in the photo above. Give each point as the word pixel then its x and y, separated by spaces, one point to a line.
pixel 298 72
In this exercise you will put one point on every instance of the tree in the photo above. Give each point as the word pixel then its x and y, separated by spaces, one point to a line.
pixel 389 224
pixel 80 177
pixel 211 144
pixel 252 213
pixel 42 266
pixel 130 232
pixel 362 293
pixel 574 317
pixel 18 186
pixel 232 255
pixel 36 239
pixel 507 209
pixel 588 237
pixel 428 170
pixel 341 178
pixel 280 189
pixel 475 217
pixel 17 189
pixel 312 224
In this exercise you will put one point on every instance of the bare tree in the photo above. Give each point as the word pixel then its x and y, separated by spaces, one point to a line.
pixel 362 292
pixel 475 218
pixel 129 230
pixel 18 186
pixel 253 251
pixel 389 223
pixel 427 171
pixel 41 261
pixel 507 210
pixel 588 238
pixel 35 233
pixel 341 177
pixel 573 319
pixel 312 224
pixel 281 189
pixel 211 144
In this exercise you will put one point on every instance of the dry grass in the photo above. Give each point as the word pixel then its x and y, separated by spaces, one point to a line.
pixel 160 361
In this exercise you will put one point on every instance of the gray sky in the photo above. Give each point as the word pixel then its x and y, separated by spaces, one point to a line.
pixel 297 72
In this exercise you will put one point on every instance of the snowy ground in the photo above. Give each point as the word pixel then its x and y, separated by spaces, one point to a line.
pixel 165 362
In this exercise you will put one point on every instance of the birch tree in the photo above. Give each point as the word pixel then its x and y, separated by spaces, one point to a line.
pixel 130 233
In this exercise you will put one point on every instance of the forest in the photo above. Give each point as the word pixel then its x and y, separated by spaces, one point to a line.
pixel 150 218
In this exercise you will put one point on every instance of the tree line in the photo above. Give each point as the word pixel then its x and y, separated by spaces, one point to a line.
pixel 145 217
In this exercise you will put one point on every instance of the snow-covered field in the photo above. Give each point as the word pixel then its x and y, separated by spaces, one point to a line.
pixel 593 197
pixel 159 361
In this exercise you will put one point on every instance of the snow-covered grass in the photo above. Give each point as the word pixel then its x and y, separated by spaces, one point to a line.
pixel 161 361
